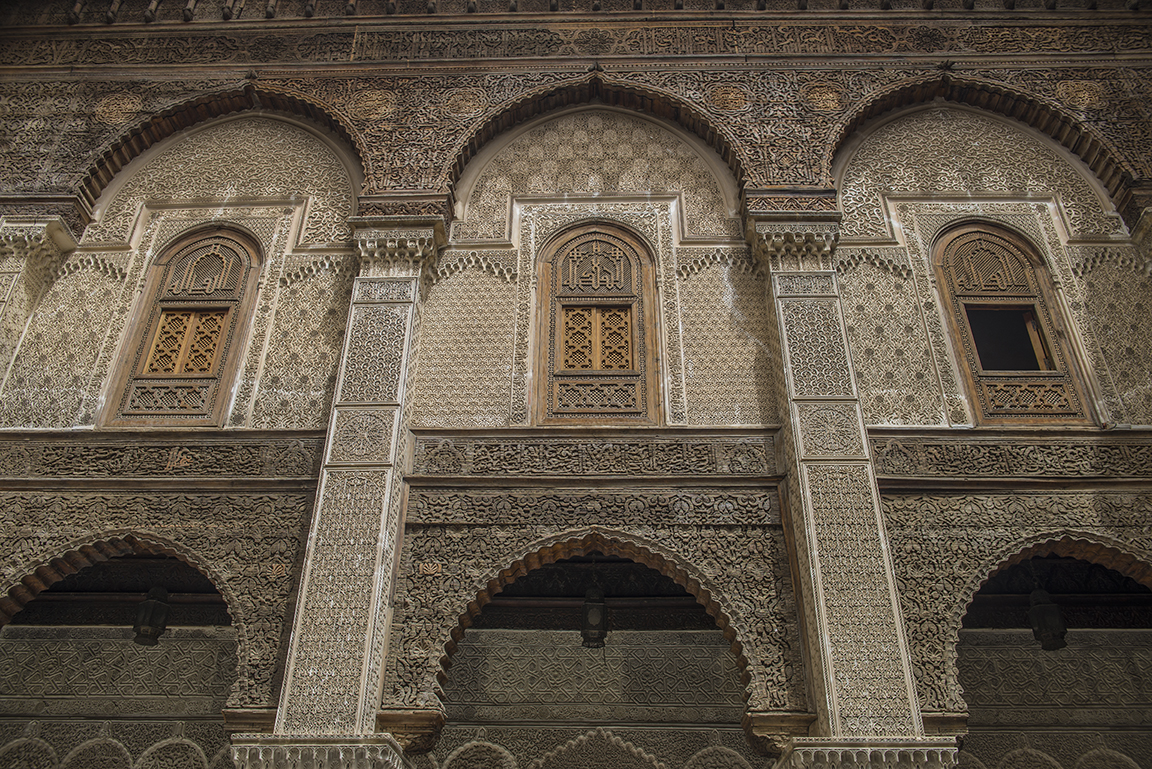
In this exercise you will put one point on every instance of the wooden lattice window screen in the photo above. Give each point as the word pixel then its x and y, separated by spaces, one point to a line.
pixel 1016 366
pixel 186 336
pixel 596 356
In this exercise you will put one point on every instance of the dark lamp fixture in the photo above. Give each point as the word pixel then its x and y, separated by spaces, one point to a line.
pixel 152 617
pixel 595 627
pixel 1047 622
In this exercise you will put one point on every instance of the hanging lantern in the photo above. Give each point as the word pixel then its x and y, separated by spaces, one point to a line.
pixel 152 617
pixel 1047 621
pixel 595 627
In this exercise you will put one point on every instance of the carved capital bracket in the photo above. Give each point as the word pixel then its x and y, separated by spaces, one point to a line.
pixel 415 729
pixel 38 246
pixel 262 751
pixel 1142 237
pixel 772 732
pixel 786 241
pixel 398 244
pixel 929 753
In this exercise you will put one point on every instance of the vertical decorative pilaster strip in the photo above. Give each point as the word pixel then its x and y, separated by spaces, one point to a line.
pixel 864 680
pixel 331 685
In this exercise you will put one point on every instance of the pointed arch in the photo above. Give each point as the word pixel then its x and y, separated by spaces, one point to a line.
pixel 595 90
pixel 200 109
pixel 609 542
pixel 1115 173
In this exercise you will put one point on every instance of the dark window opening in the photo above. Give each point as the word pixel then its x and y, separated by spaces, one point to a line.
pixel 1008 339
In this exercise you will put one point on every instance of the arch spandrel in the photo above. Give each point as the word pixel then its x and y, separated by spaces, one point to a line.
pixel 945 150
pixel 592 153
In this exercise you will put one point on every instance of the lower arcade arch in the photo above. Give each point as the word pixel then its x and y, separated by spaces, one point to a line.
pixel 1053 659
pixel 524 687
pixel 125 657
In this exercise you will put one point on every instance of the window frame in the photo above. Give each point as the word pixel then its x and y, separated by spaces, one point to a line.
pixel 139 343
pixel 642 305
pixel 989 389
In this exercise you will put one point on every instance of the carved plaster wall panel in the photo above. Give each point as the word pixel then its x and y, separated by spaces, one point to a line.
pixel 246 543
pixel 686 676
pixel 251 158
pixel 378 335
pixel 612 455
pixel 829 430
pixel 115 744
pixel 945 546
pixel 97 672
pixel 730 375
pixel 363 436
pixel 465 373
pixel 932 152
pixel 590 153
pixel 817 362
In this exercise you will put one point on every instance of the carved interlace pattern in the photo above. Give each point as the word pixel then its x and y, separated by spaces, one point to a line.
pixel 816 355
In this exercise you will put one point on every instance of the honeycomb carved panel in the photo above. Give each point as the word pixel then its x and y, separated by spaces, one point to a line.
pixel 594 153
pixel 465 374
pixel 249 157
pixel 298 379
pixel 730 375
pixel 931 152
pixel 944 547
pixel 895 370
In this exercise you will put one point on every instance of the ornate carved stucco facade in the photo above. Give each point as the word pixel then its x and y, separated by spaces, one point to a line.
pixel 290 322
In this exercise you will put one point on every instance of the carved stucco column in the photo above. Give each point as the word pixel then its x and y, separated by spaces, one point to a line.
pixel 327 716
pixel 858 661
pixel 31 252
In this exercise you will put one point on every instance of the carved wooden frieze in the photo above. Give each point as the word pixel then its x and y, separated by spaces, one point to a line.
pixel 609 456
pixel 1055 457
pixel 135 458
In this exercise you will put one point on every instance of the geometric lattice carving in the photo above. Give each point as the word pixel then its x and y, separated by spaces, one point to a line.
pixel 1016 364
pixel 201 291
pixel 596 356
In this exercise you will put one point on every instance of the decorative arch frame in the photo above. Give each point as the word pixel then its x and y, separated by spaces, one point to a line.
pixel 595 90
pixel 43 572
pixel 109 160
pixel 610 542
pixel 1095 548
pixel 1114 172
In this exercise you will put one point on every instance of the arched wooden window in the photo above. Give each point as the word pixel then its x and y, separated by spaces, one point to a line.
pixel 183 347
pixel 596 329
pixel 1008 328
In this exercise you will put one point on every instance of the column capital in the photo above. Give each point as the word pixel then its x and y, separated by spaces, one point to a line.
pixel 791 246
pixel 38 244
pixel 406 243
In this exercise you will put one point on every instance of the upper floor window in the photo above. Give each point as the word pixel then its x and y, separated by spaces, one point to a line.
pixel 596 329
pixel 183 343
pixel 1007 328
